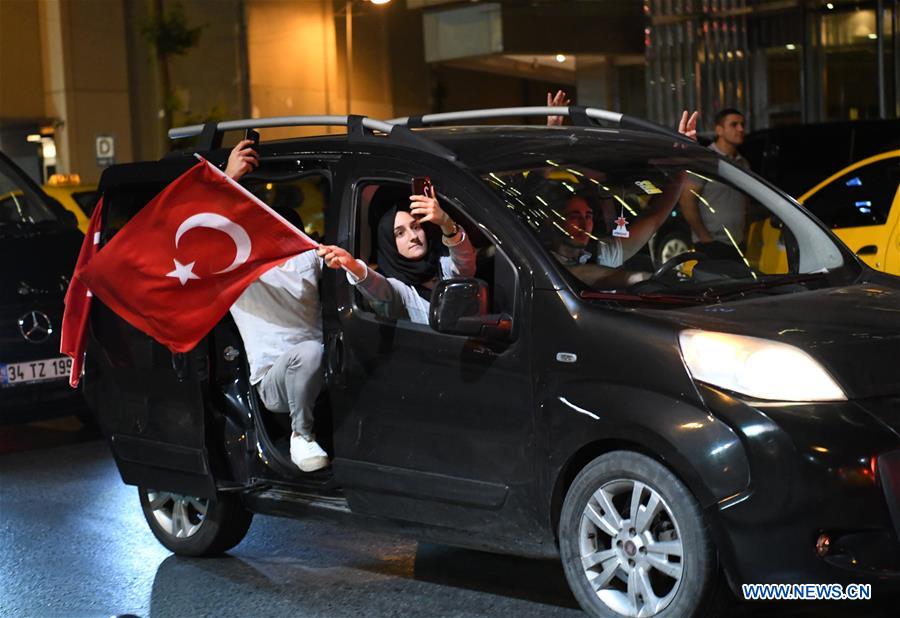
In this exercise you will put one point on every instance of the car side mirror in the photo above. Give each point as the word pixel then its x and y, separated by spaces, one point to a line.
pixel 460 307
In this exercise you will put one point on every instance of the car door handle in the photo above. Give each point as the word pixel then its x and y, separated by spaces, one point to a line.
pixel 867 250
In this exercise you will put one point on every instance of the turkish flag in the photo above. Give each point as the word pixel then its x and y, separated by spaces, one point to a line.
pixel 78 301
pixel 177 267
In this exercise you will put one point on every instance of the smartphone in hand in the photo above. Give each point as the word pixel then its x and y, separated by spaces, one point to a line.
pixel 421 185
pixel 253 136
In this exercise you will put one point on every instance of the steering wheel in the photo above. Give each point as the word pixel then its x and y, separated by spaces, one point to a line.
pixel 677 260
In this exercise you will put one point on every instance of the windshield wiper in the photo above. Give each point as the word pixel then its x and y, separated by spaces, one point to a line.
pixel 708 296
pixel 663 299
pixel 773 281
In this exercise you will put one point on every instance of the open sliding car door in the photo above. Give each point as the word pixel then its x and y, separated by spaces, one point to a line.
pixel 151 404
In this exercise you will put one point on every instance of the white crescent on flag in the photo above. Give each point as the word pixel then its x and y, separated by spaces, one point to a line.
pixel 223 224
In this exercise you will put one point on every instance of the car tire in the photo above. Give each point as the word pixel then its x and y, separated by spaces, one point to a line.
pixel 190 526
pixel 616 563
pixel 673 243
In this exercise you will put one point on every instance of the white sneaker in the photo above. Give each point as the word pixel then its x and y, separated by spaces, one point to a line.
pixel 307 454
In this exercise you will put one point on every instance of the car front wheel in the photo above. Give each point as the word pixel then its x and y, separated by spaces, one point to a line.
pixel 191 526
pixel 633 541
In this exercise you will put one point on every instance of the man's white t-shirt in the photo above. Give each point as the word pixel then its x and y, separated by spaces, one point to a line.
pixel 280 310
pixel 609 253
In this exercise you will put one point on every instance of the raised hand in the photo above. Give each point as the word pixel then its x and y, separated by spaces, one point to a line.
pixel 688 126
pixel 557 100
pixel 427 209
pixel 242 159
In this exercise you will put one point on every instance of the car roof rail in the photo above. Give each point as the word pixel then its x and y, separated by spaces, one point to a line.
pixel 359 128
pixel 580 116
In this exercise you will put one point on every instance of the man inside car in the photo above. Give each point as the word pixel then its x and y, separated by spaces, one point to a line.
pixel 600 263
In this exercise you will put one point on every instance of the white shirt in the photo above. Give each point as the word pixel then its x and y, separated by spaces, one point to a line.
pixel 609 253
pixel 280 310
pixel 391 298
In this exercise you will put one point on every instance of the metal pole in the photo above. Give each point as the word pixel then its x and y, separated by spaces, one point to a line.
pixel 348 32
pixel 895 31
pixel 816 69
pixel 243 60
pixel 804 67
pixel 879 31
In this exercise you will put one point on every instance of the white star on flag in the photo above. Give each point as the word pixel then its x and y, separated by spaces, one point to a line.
pixel 183 272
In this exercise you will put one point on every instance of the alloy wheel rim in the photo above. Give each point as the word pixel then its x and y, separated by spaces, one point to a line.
pixel 631 548
pixel 179 516
pixel 673 247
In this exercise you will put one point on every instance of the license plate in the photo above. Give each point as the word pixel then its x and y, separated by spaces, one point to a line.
pixel 35 371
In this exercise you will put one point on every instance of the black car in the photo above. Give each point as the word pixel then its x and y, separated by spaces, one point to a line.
pixel 729 425
pixel 796 158
pixel 39 243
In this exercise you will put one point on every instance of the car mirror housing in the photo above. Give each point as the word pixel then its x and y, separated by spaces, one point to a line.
pixel 460 307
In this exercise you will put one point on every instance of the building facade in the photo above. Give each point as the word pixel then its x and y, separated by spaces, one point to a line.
pixel 87 83
pixel 783 62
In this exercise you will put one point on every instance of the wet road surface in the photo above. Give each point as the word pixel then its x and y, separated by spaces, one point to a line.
pixel 75 544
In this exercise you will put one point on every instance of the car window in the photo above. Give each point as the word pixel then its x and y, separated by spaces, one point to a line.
pixel 300 200
pixel 17 207
pixel 592 211
pixel 492 266
pixel 859 198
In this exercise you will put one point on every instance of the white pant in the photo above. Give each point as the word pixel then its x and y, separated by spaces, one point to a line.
pixel 293 383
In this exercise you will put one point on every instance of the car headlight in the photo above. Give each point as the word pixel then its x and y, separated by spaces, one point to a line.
pixel 759 368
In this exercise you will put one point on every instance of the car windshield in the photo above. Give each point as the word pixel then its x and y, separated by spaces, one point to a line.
pixel 17 207
pixel 673 224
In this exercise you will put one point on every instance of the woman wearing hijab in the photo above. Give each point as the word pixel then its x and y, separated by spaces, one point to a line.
pixel 409 255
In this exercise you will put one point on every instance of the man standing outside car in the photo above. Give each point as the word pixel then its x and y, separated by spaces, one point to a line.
pixel 716 212
pixel 280 320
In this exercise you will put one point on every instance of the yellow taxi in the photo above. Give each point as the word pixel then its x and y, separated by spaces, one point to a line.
pixel 79 198
pixel 861 205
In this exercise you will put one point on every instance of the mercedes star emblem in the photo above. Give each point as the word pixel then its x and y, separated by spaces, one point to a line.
pixel 35 327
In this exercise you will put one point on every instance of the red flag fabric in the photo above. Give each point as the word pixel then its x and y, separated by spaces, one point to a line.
pixel 72 339
pixel 177 267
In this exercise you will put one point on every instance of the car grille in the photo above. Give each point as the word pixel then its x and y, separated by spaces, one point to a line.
pixel 889 471
pixel 13 346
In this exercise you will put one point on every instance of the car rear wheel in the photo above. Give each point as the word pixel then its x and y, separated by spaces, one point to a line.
pixel 633 541
pixel 191 526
